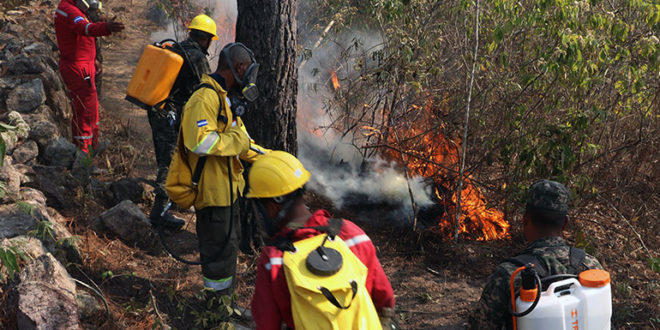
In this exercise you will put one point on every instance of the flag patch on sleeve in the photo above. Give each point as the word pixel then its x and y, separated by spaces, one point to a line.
pixel 202 123
pixel 78 19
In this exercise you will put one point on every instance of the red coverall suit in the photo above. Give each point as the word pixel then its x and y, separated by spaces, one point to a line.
pixel 271 303
pixel 75 38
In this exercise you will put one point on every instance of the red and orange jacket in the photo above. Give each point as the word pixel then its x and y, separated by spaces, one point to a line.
pixel 271 303
pixel 75 33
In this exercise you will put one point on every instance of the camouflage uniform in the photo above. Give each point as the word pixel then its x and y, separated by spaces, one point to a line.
pixel 492 310
pixel 165 129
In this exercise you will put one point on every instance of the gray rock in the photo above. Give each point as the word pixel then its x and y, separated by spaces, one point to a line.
pixel 55 183
pixel 39 114
pixel 9 82
pixel 59 102
pixel 14 221
pixel 34 195
pixel 43 132
pixel 24 64
pixel 26 172
pixel 51 79
pixel 10 182
pixel 89 306
pixel 27 97
pixel 26 152
pixel 65 249
pixel 128 188
pixel 29 246
pixel 46 296
pixel 60 152
pixel 127 221
pixel 82 167
pixel 22 128
pixel 37 48
pixel 100 191
pixel 97 225
pixel 11 140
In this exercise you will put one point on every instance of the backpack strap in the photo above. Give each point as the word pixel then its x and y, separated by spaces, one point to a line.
pixel 207 85
pixel 202 160
pixel 576 257
pixel 333 228
pixel 331 298
pixel 524 259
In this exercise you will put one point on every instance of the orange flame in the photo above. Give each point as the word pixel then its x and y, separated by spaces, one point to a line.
pixel 431 154
pixel 335 80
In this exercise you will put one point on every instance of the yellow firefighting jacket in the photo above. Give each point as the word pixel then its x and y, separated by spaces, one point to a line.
pixel 207 134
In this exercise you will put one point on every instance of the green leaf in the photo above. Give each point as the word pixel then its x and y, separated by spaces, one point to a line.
pixel 6 127
pixel 3 149
pixel 8 259
pixel 654 263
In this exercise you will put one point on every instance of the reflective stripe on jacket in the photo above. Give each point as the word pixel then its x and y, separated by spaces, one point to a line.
pixel 271 303
pixel 75 33
pixel 205 135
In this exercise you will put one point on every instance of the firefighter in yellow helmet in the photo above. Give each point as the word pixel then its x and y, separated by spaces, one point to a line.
pixel 165 123
pixel 276 188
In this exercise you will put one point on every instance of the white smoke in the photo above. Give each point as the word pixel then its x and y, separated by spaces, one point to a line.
pixel 339 170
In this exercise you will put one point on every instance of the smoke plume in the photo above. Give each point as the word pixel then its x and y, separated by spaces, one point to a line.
pixel 339 170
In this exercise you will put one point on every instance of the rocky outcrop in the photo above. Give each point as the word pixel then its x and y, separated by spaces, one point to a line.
pixel 34 123
pixel 46 296
pixel 127 221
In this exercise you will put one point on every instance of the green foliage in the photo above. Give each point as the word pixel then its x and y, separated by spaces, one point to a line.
pixel 560 83
pixel 107 275
pixel 582 241
pixel 9 262
pixel 69 241
pixel 654 263
pixel 44 230
pixel 26 207
pixel 216 310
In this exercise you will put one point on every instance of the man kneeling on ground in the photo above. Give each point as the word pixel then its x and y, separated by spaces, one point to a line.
pixel 544 220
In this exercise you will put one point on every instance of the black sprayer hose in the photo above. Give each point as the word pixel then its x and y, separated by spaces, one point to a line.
pixel 536 300
pixel 226 242
pixel 185 54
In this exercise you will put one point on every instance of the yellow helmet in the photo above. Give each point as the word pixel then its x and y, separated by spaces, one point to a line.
pixel 275 174
pixel 205 24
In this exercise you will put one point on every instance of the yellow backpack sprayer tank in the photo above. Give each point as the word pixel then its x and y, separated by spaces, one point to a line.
pixel 154 77
pixel 573 303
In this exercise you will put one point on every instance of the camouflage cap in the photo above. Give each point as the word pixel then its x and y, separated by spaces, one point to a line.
pixel 548 196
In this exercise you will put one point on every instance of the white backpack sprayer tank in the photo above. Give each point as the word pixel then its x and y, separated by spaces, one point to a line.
pixel 569 304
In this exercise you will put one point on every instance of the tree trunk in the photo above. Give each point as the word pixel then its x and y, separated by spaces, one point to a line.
pixel 269 28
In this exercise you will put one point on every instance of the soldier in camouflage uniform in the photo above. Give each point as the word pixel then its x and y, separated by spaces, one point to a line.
pixel 165 123
pixel 544 219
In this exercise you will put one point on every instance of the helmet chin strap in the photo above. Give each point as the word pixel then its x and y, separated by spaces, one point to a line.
pixel 272 225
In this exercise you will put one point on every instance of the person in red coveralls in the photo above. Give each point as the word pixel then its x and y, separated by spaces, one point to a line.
pixel 276 187
pixel 76 40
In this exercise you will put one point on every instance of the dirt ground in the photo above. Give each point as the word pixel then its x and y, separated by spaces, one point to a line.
pixel 435 282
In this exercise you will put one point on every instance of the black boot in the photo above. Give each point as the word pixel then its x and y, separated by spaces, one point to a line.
pixel 167 220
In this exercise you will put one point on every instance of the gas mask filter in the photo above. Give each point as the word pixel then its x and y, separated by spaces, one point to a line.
pixel 93 8
pixel 246 84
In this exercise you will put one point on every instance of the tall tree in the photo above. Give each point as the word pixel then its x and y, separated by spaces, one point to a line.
pixel 269 28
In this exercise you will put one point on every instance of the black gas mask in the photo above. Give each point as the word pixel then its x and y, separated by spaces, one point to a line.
pixel 92 8
pixel 247 87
